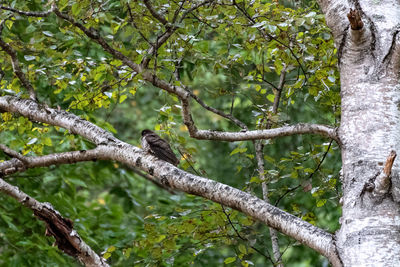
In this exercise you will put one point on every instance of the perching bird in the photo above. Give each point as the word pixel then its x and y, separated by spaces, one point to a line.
pixel 157 146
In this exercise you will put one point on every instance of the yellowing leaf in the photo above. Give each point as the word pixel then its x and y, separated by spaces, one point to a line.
pixel 271 97
pixel 183 128
pixel 132 91
pixel 47 141
pixel 321 202
pixel 111 249
pixel 107 255
pixel 229 260
pixel 122 98
pixel 238 150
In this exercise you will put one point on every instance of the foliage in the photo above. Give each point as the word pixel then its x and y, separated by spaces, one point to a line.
pixel 229 55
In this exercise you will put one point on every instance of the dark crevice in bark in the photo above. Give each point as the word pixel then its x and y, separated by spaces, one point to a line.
pixel 388 56
pixel 342 45
pixel 372 27
pixel 59 227
pixel 337 249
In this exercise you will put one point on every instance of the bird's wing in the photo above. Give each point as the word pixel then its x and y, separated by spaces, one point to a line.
pixel 161 148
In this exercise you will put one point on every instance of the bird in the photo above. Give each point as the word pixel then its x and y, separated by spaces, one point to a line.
pixel 155 145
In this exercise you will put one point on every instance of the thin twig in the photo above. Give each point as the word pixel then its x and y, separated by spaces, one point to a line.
pixel 15 64
pixel 245 239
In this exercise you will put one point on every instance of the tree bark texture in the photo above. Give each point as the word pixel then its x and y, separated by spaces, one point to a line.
pixel 370 121
pixel 110 148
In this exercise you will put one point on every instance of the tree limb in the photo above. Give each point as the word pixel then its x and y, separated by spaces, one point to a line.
pixel 382 181
pixel 67 239
pixel 185 96
pixel 36 112
pixel 261 172
pixel 161 39
pixel 21 164
pixel 175 178
pixel 12 153
pixel 154 12
pixel 300 128
pixel 29 13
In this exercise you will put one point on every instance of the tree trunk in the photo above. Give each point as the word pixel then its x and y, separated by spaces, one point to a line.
pixel 368 50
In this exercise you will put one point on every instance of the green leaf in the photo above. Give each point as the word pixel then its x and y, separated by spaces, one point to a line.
pixel 238 150
pixel 29 58
pixel 321 202
pixel 242 249
pixel 111 249
pixel 76 181
pixel 229 260
pixel 122 98
pixel 47 141
pixel 271 97
pixel 106 255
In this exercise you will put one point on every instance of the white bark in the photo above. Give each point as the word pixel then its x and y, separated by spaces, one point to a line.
pixel 67 239
pixel 369 130
pixel 111 148
pixel 273 233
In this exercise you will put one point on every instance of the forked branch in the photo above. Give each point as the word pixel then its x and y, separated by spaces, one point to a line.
pixel 113 149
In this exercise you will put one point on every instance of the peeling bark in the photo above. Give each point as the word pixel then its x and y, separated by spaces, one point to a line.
pixel 67 239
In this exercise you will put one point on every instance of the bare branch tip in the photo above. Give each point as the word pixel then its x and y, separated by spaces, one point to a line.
pixel 389 162
pixel 354 17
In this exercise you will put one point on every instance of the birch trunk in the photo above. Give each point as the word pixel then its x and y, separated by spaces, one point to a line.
pixel 369 129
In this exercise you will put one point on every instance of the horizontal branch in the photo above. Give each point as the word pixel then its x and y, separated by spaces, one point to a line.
pixel 175 178
pixel 29 13
pixel 167 174
pixel 67 239
pixel 301 128
pixel 38 112
pixel 20 163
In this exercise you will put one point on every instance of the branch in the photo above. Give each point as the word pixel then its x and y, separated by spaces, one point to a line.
pixel 301 128
pixel 30 13
pixel 261 172
pixel 95 36
pixel 382 181
pixel 161 39
pixel 74 124
pixel 67 239
pixel 354 17
pixel 219 112
pixel 15 65
pixel 154 13
pixel 277 97
pixel 21 164
pixel 170 176
pixel 12 153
